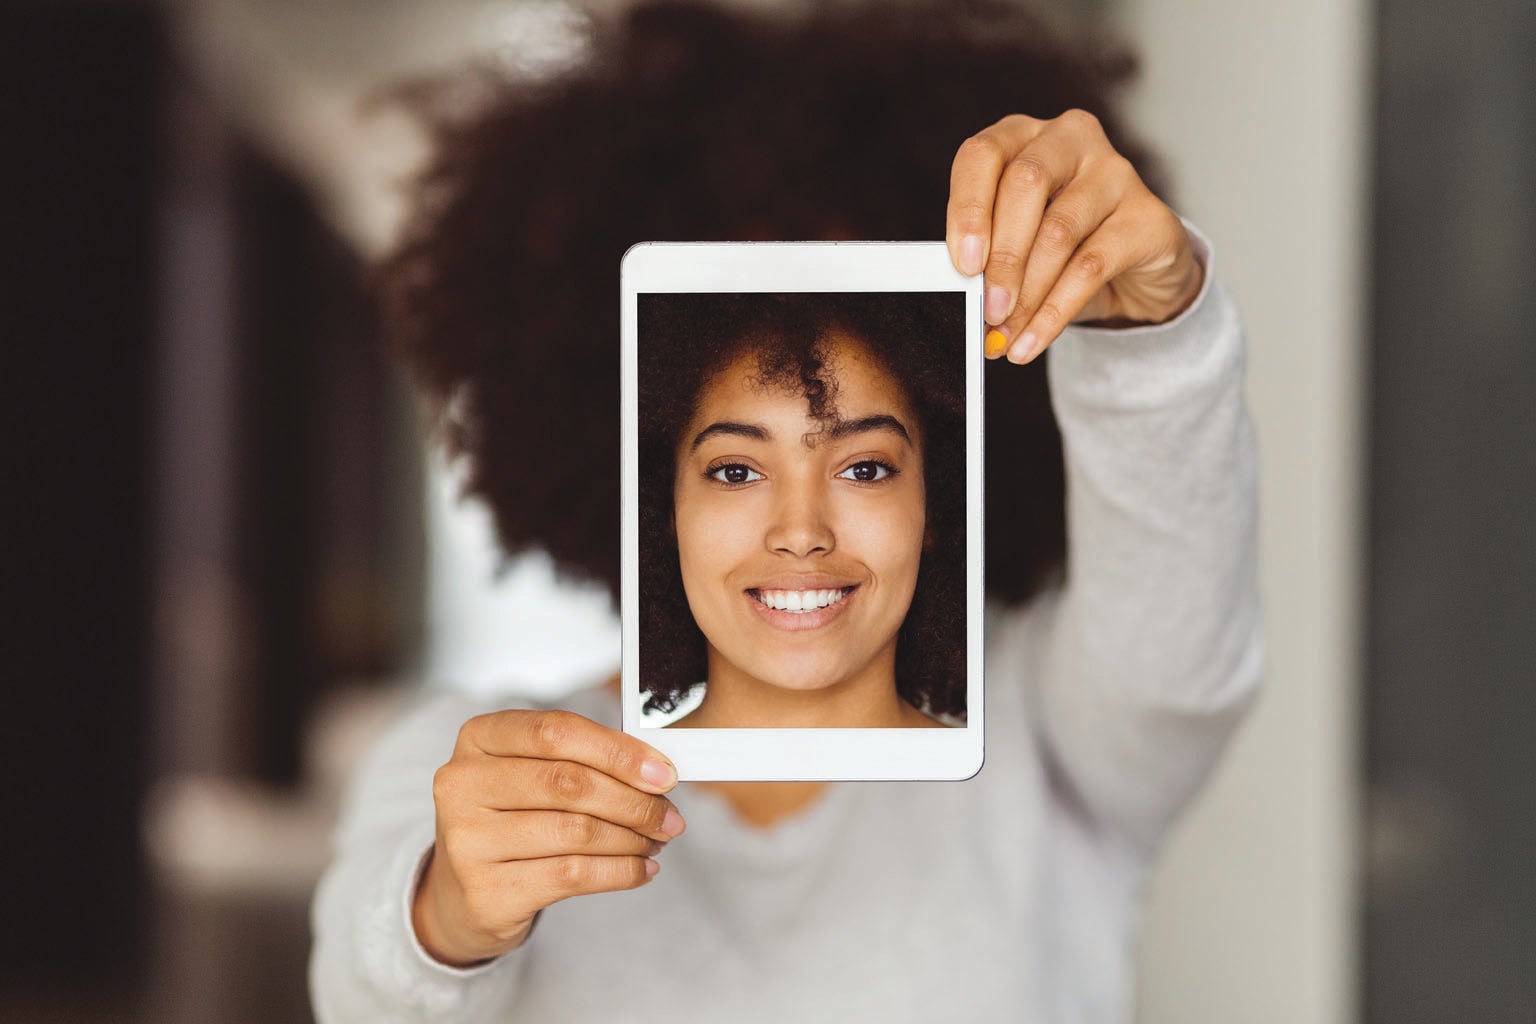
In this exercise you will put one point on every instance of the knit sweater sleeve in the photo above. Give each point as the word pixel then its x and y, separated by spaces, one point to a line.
pixel 1153 648
pixel 366 964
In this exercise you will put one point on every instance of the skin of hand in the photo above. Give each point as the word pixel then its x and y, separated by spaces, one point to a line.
pixel 1065 231
pixel 532 808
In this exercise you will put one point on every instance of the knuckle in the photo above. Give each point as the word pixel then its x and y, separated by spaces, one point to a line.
pixel 572 873
pixel 1090 263
pixel 1125 169
pixel 1146 207
pixel 1027 173
pixel 577 830
pixel 470 733
pixel 447 784
pixel 567 782
pixel 983 147
pixel 624 759
pixel 552 731
pixel 1058 232
pixel 1079 118
pixel 1016 121
pixel 1050 316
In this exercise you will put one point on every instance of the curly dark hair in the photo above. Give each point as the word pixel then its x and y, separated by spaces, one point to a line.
pixel 686 339
pixel 689 123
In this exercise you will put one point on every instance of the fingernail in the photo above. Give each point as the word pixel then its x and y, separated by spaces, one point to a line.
pixel 1024 349
pixel 651 867
pixel 970 254
pixel 659 774
pixel 997 305
pixel 997 343
pixel 656 847
pixel 672 824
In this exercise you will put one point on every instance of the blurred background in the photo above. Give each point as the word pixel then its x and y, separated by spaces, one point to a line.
pixel 229 559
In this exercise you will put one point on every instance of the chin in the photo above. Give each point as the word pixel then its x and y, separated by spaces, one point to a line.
pixel 788 674
pixel 800 684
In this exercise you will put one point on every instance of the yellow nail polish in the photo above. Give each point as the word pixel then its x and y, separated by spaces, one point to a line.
pixel 997 343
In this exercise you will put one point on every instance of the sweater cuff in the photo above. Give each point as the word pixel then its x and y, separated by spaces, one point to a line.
pixel 1131 368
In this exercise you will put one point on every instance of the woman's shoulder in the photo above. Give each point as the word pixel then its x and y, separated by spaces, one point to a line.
pixel 433 716
pixel 439 706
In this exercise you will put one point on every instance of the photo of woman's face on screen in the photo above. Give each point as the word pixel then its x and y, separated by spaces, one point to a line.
pixel 802 510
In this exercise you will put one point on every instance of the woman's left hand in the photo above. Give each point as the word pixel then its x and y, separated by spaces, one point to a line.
pixel 1065 230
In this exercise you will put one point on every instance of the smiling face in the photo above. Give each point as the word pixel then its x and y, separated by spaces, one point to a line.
pixel 799 541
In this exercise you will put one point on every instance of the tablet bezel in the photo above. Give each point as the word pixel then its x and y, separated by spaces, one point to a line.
pixel 734 754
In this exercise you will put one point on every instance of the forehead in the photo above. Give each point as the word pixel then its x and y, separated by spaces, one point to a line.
pixel 861 386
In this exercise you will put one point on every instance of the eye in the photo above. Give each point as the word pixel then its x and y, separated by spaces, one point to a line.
pixel 733 473
pixel 869 471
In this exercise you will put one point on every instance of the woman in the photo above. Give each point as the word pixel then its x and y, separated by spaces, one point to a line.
pixel 1122 647
pixel 802 502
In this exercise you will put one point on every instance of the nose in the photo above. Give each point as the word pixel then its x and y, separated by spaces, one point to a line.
pixel 800 525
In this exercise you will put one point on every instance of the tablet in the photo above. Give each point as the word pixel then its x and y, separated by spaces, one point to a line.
pixel 802 502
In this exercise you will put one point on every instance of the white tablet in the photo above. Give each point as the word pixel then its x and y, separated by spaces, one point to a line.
pixel 802 502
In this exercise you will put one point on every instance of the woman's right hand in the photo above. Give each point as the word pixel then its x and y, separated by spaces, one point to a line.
pixel 534 807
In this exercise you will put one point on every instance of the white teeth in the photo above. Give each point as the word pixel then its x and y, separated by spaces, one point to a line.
pixel 800 601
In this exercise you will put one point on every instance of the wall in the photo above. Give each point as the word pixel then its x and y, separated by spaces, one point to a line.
pixel 1261 110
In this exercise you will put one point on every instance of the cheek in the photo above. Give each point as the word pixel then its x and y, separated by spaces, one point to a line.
pixel 888 537
pixel 711 538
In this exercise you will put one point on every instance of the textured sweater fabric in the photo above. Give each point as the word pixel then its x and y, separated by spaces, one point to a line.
pixel 1014 896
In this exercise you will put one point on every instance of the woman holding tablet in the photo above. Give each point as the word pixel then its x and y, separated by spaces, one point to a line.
pixel 802 462
pixel 1123 639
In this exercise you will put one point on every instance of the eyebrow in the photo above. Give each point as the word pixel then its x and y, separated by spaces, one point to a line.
pixel 731 429
pixel 838 431
pixel 865 424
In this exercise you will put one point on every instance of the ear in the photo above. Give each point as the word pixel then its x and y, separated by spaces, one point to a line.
pixel 928 539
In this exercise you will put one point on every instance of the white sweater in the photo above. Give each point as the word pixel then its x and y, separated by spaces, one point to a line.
pixel 1012 897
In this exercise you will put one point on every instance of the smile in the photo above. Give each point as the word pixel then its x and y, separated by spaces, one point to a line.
pixel 799 602
pixel 800 610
